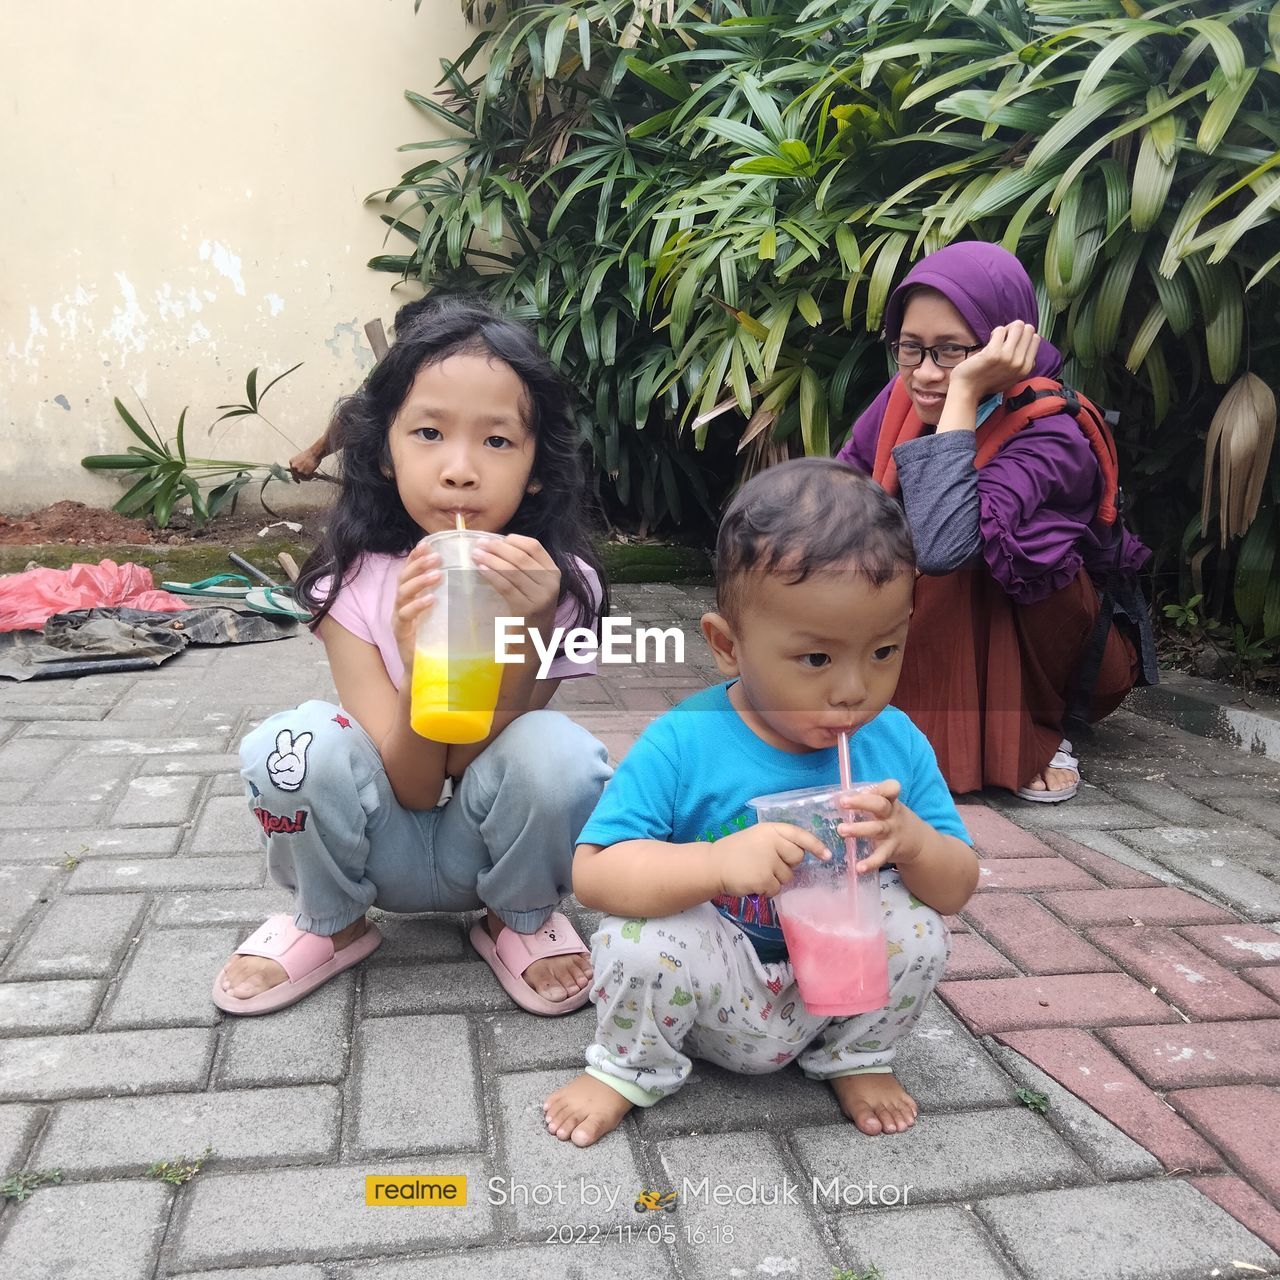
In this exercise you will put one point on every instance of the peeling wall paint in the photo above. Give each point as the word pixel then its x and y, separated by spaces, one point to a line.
pixel 224 262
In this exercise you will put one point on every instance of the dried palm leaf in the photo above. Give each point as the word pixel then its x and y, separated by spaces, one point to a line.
pixel 1240 438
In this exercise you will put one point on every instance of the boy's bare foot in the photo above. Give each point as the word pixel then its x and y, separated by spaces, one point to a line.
pixel 555 978
pixel 584 1111
pixel 875 1102
pixel 248 976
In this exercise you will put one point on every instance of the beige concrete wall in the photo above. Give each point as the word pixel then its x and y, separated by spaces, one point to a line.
pixel 181 200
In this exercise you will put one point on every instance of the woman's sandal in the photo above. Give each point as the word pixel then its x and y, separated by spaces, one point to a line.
pixel 1062 759
pixel 221 586
pixel 309 959
pixel 514 952
pixel 276 602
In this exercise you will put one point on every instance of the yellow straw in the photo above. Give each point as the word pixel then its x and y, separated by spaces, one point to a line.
pixel 458 522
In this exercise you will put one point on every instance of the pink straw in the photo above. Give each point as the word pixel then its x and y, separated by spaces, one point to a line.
pixel 846 784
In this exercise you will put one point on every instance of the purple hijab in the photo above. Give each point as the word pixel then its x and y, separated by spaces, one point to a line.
pixel 1032 544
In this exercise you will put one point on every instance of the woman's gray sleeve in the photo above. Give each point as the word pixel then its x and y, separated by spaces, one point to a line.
pixel 940 493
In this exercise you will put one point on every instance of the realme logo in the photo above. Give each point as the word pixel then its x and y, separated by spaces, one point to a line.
pixel 414 1190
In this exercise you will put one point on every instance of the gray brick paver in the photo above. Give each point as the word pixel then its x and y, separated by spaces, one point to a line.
pixel 114 876
pixel 1159 1230
pixel 907 1244
pixel 157 801
pixel 320 1214
pixel 309 1041
pixel 1019 1152
pixel 18 1126
pixel 42 1068
pixel 78 937
pixel 417 1086
pixel 88 843
pixel 87 1231
pixel 58 1005
pixel 227 825
pixel 169 977
pixel 123 1136
pixel 536 1159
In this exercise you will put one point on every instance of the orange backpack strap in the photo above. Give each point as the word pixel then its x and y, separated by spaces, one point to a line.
pixel 1045 398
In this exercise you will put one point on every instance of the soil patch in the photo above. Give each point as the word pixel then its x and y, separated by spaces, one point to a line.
pixel 80 525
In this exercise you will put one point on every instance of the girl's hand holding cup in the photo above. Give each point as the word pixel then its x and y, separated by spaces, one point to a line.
pixel 419 578
pixel 523 573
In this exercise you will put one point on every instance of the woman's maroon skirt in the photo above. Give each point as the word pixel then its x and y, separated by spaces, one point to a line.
pixel 987 680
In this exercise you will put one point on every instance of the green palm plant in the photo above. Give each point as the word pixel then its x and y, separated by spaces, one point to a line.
pixel 704 206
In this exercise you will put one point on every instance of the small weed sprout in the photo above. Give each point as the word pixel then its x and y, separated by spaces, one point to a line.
pixel 179 1170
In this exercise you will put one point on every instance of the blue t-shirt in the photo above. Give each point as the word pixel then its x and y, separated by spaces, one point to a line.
pixel 690 775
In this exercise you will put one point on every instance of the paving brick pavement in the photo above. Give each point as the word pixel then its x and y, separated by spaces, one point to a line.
pixel 119 901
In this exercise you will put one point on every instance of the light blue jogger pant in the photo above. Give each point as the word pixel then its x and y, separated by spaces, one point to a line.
pixel 338 838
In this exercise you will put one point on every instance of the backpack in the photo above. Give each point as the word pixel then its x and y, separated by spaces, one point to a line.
pixel 1120 594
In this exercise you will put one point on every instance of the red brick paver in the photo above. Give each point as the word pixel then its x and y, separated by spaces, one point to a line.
pixel 1243 1121
pixel 1123 906
pixel 1238 946
pixel 972 957
pixel 1033 939
pixel 1080 1063
pixel 1194 983
pixel 992 1005
pixel 1027 875
pixel 1183 1055
pixel 1243 1203
pixel 1265 979
pixel 1113 874
pixel 994 836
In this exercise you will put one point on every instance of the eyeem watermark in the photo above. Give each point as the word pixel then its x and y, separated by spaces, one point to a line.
pixel 618 643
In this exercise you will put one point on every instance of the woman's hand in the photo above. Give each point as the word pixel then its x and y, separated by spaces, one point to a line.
pixel 1007 358
pixel 524 575
pixel 418 579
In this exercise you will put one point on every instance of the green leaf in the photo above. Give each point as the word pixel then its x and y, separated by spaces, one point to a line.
pixel 763 107
pixel 882 277
pixel 768 247
pixel 154 444
pixel 847 247
pixel 1112 51
pixel 1152 179
pixel 1147 333
pixel 114 462
pixel 661 81
pixel 808 308
pixel 1222 112
pixel 1225 44
pixel 1254 568
pixel 1076 121
pixel 813 415
pixel 139 497
pixel 180 445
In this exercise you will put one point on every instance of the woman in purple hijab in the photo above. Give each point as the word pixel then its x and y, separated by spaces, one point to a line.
pixel 1011 527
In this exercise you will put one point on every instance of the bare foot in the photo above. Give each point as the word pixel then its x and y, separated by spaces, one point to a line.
pixel 1053 780
pixel 584 1111
pixel 247 976
pixel 555 978
pixel 875 1102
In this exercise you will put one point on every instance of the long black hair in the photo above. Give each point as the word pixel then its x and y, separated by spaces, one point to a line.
pixel 368 515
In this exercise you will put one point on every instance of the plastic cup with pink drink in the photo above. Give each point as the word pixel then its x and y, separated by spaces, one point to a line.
pixel 831 916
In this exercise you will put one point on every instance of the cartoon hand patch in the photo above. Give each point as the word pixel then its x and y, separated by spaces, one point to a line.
pixel 287 764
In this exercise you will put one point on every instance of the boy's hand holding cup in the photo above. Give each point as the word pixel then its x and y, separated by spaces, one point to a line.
pixel 895 832
pixel 760 858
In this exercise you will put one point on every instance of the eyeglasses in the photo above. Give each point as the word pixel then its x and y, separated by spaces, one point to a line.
pixel 907 355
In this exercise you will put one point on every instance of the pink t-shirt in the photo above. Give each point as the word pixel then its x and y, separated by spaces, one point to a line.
pixel 364 604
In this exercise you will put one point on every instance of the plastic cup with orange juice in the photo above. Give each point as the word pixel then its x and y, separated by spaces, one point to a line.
pixel 456 675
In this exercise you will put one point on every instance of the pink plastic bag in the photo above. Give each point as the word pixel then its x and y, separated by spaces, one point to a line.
pixel 28 599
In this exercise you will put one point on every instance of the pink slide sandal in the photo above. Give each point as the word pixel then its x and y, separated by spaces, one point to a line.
pixel 308 958
pixel 514 952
